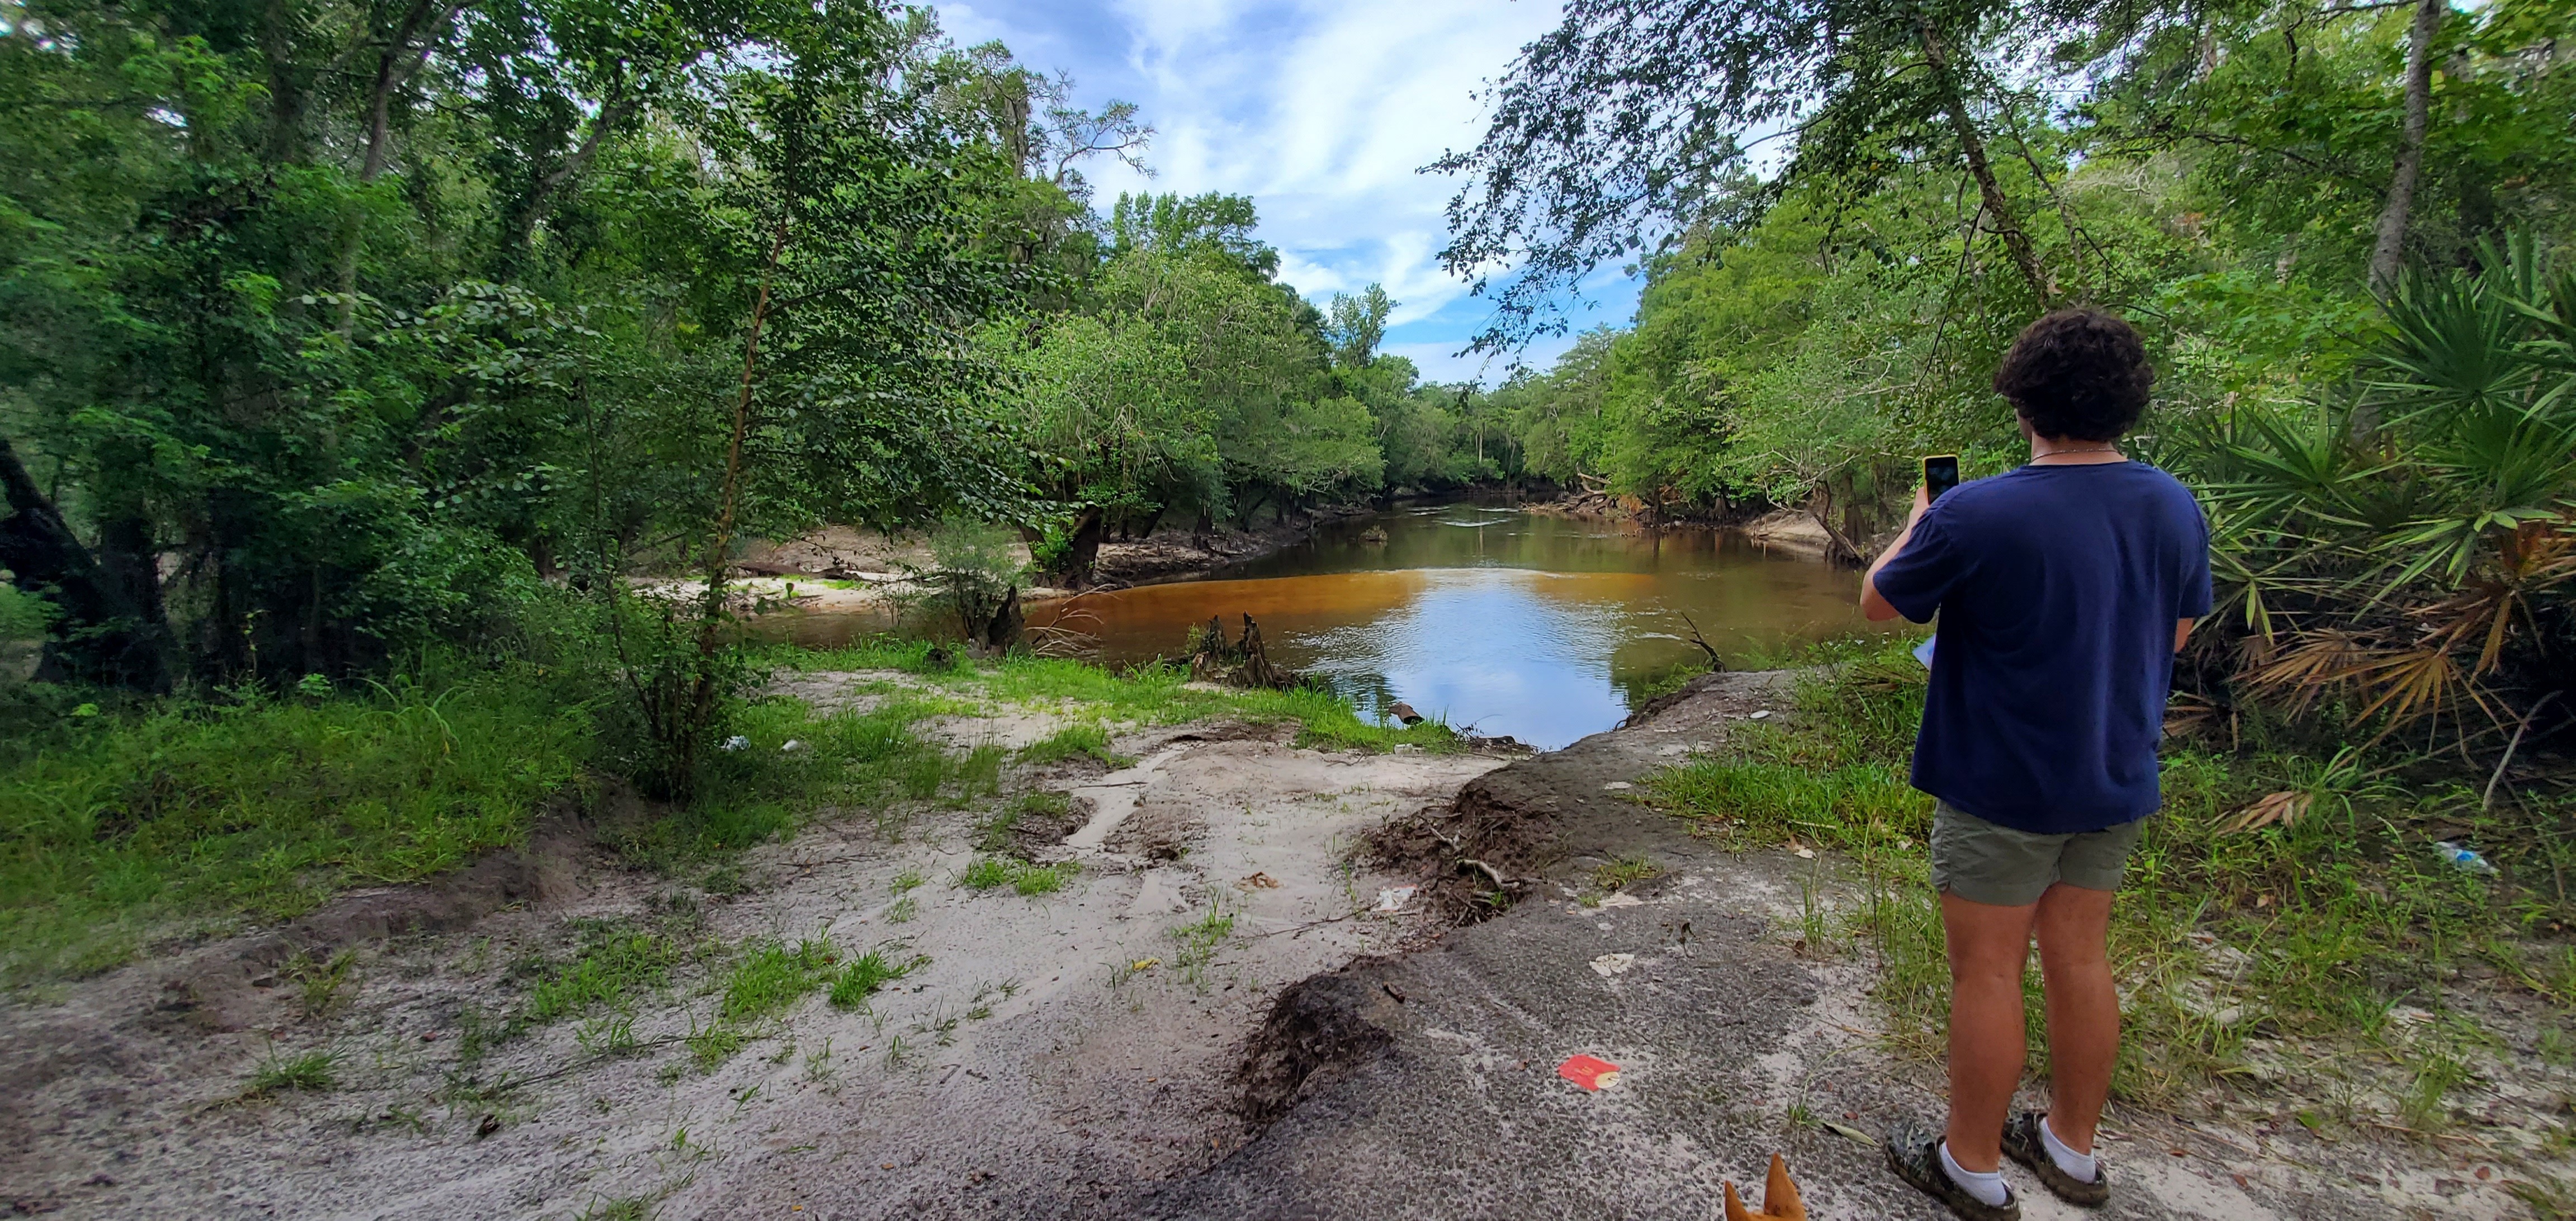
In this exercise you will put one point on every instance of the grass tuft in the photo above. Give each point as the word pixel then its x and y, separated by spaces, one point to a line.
pixel 615 961
pixel 774 975
pixel 1089 739
pixel 989 872
pixel 1142 696
pixel 1625 871
pixel 314 1072
pixel 868 974
pixel 1199 941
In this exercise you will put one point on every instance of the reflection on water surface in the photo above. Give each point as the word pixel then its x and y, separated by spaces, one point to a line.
pixel 1512 622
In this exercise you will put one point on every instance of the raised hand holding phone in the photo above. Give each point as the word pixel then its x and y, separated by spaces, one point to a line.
pixel 1940 474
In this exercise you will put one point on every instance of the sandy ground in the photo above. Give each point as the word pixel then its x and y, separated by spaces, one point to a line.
pixel 1029 1059
pixel 1068 1055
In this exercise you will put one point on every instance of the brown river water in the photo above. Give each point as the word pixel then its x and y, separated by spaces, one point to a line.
pixel 1509 622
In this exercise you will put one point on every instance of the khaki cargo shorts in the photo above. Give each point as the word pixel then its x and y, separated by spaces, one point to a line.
pixel 1985 863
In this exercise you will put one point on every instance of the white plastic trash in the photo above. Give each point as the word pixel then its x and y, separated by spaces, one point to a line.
pixel 1393 898
pixel 737 742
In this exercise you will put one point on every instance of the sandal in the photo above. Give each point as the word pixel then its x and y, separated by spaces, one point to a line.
pixel 2023 1143
pixel 1915 1155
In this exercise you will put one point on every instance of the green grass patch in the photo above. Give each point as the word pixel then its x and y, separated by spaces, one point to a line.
pixel 1199 940
pixel 120 821
pixel 1625 871
pixel 2315 930
pixel 987 872
pixel 614 963
pixel 868 974
pixel 763 791
pixel 314 1072
pixel 990 872
pixel 713 1044
pixel 773 976
pixel 1044 879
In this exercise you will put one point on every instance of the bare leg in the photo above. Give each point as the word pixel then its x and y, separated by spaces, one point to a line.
pixel 1989 947
pixel 2083 1009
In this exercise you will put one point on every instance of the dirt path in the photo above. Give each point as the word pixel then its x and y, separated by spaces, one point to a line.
pixel 1208 1020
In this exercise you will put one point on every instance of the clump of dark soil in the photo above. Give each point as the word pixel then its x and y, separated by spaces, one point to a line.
pixel 1322 1024
pixel 1551 812
pixel 1473 857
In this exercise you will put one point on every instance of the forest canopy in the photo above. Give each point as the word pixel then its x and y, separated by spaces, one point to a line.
pixel 331 329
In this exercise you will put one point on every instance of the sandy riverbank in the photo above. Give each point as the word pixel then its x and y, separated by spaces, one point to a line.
pixel 1213 1017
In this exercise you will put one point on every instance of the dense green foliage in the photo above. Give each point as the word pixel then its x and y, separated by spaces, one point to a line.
pixel 2387 465
pixel 329 330
pixel 2217 176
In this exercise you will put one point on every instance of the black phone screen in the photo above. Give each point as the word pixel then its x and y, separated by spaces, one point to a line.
pixel 1940 474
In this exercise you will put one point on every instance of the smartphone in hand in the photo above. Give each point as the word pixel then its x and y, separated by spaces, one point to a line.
pixel 1940 474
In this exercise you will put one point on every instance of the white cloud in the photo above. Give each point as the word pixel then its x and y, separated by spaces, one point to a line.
pixel 1322 110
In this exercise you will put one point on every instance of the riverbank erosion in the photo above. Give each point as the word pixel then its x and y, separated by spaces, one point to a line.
pixel 1426 1083
pixel 1218 965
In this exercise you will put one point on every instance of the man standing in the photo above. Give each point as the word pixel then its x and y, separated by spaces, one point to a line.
pixel 2064 589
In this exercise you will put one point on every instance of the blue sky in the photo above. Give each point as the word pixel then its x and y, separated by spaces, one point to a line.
pixel 1322 111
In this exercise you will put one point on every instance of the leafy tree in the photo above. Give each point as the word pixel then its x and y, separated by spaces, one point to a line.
pixel 1211 225
pixel 1357 326
pixel 1633 120
pixel 1117 426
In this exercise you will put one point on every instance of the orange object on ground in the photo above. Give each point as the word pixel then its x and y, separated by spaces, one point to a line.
pixel 1779 1198
pixel 1589 1073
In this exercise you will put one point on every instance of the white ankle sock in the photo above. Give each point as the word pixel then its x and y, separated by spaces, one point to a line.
pixel 2079 1166
pixel 1987 1187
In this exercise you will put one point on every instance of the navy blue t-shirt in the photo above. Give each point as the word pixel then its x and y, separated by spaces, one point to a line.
pixel 2058 589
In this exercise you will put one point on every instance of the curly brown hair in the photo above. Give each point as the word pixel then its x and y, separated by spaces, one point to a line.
pixel 2077 375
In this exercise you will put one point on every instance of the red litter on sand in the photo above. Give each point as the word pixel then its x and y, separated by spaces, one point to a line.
pixel 1590 1073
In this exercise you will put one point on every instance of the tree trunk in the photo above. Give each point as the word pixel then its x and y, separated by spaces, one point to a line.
pixel 286 92
pixel 98 635
pixel 688 720
pixel 1082 549
pixel 1964 127
pixel 1007 623
pixel 396 64
pixel 2390 251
